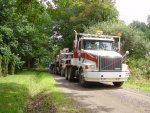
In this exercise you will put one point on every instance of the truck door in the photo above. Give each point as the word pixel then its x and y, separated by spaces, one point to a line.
pixel 80 45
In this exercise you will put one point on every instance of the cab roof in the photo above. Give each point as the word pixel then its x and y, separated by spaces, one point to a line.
pixel 98 38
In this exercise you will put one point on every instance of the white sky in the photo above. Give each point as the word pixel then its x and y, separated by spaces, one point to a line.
pixel 130 10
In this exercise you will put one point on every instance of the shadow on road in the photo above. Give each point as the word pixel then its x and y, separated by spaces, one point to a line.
pixel 83 95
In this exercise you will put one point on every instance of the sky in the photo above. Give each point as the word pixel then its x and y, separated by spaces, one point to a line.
pixel 130 10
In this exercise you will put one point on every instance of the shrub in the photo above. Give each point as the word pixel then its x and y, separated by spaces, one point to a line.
pixel 139 68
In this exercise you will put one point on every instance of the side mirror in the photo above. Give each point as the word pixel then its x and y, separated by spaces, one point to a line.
pixel 127 52
pixel 125 57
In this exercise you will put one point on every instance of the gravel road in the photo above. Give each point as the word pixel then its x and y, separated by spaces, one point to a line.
pixel 105 98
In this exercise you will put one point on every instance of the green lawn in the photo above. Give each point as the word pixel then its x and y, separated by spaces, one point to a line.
pixel 33 92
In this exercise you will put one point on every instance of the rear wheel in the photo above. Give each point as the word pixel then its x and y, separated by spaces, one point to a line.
pixel 118 84
pixel 66 73
pixel 71 74
pixel 82 81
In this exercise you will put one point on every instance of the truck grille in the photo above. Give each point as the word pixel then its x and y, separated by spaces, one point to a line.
pixel 110 64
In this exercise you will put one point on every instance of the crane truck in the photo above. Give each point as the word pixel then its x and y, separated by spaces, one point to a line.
pixel 96 60
pixel 62 60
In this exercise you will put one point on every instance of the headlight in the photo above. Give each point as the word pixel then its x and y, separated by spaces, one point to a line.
pixel 89 66
pixel 125 67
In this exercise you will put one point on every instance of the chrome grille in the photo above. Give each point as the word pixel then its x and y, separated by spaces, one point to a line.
pixel 110 64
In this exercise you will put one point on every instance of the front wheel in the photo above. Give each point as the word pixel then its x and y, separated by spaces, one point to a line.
pixel 82 81
pixel 71 74
pixel 118 84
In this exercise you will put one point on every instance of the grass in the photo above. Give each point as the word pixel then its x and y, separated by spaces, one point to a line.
pixel 143 85
pixel 33 92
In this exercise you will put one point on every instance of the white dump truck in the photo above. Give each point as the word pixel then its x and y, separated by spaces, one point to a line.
pixel 95 59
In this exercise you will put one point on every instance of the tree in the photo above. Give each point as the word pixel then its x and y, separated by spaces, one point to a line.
pixel 35 36
pixel 73 15
pixel 24 32
pixel 141 26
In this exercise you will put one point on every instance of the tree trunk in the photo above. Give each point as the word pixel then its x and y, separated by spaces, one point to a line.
pixel 28 63
pixel 12 67
pixel 0 66
pixel 5 66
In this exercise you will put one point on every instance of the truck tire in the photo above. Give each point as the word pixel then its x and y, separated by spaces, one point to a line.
pixel 71 74
pixel 66 73
pixel 82 81
pixel 62 73
pixel 118 84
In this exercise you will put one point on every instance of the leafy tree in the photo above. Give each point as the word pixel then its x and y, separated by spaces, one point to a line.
pixel 35 36
pixel 24 32
pixel 73 15
pixel 142 27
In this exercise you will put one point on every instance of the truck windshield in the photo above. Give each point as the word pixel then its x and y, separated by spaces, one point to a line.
pixel 65 56
pixel 98 45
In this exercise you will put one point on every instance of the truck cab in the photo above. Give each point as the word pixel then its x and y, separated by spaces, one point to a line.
pixel 95 59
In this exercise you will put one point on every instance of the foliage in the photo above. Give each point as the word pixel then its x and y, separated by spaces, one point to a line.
pixel 72 15
pixel 142 27
pixel 24 31
pixel 140 68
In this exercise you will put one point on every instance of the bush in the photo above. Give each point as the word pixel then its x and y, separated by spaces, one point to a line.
pixel 139 68
pixel 5 62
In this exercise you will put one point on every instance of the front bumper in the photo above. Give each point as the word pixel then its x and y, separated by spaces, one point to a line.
pixel 106 76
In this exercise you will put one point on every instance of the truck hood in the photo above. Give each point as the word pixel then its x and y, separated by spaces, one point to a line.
pixel 103 53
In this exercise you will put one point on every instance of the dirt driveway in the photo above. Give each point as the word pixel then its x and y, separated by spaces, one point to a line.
pixel 104 98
